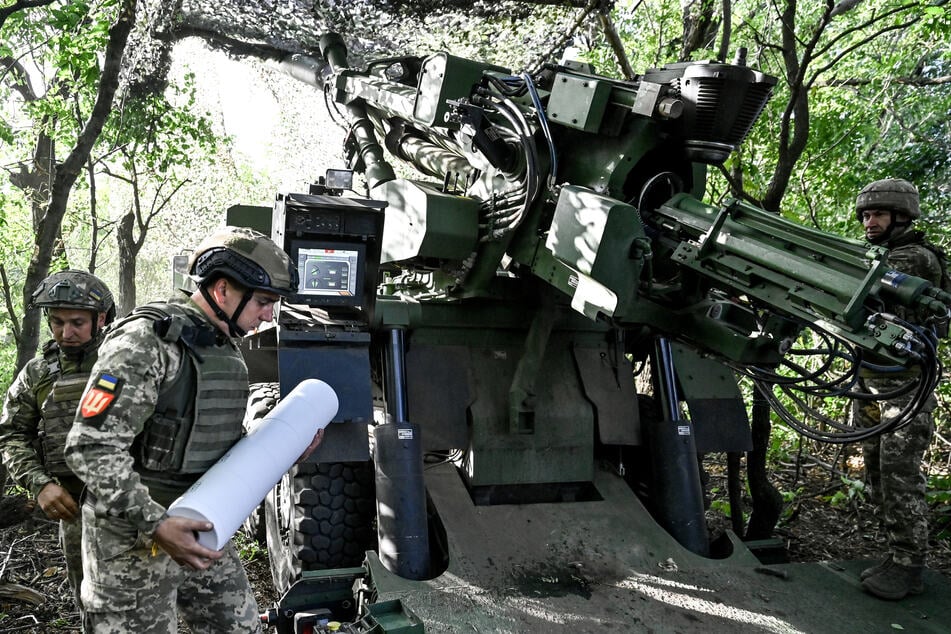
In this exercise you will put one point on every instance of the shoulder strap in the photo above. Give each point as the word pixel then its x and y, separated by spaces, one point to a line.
pixel 173 324
pixel 51 356
pixel 943 262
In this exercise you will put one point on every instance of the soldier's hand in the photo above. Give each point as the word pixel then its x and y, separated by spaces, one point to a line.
pixel 57 503
pixel 318 437
pixel 178 536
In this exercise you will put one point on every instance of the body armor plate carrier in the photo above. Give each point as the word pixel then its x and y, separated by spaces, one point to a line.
pixel 199 413
pixel 58 397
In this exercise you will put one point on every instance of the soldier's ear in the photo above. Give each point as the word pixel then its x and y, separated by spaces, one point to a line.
pixel 101 320
pixel 219 289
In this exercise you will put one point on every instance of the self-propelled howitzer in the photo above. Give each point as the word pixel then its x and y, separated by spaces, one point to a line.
pixel 593 186
pixel 494 308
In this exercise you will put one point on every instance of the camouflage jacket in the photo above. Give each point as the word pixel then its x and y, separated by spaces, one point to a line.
pixel 135 365
pixel 22 419
pixel 908 253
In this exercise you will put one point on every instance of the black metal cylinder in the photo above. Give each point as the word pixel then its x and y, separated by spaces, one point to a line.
pixel 401 500
pixel 400 491
pixel 395 388
pixel 677 494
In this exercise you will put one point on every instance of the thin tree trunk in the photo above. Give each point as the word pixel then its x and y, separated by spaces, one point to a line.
pixel 127 257
pixel 67 174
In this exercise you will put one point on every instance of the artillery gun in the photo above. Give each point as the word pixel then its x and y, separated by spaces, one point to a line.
pixel 483 324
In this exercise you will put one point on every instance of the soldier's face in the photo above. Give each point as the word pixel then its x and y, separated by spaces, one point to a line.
pixel 72 327
pixel 876 222
pixel 259 309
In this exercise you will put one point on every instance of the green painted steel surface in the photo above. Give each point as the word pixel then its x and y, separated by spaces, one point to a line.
pixel 605 566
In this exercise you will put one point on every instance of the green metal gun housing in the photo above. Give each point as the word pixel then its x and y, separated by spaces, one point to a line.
pixel 592 186
pixel 491 311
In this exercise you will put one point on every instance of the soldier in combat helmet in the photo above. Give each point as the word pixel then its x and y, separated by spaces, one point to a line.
pixel 887 210
pixel 41 404
pixel 164 403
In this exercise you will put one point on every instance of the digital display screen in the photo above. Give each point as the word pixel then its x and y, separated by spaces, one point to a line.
pixel 331 272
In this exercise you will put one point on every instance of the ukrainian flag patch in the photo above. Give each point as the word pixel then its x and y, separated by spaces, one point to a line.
pixel 107 382
pixel 99 397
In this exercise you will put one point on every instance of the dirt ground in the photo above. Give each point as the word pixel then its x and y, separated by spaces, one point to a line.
pixel 812 529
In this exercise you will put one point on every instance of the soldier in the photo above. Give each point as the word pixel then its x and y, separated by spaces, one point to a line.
pixel 165 402
pixel 41 404
pixel 887 208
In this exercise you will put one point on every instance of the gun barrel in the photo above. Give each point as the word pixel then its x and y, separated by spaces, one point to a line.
pixel 305 68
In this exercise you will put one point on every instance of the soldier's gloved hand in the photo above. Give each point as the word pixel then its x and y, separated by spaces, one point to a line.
pixel 318 437
pixel 57 503
pixel 178 536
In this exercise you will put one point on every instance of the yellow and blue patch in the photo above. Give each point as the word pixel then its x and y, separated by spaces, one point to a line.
pixel 99 397
pixel 107 382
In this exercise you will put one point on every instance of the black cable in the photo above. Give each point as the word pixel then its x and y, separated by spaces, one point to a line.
pixel 811 422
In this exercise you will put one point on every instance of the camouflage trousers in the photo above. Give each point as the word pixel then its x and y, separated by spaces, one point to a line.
pixel 127 589
pixel 893 469
pixel 70 540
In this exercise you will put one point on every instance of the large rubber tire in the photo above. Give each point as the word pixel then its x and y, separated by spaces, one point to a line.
pixel 320 516
pixel 262 399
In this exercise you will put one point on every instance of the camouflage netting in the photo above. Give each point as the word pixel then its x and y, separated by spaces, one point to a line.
pixel 270 29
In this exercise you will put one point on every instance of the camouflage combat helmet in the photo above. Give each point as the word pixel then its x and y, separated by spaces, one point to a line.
pixel 77 290
pixel 889 194
pixel 246 256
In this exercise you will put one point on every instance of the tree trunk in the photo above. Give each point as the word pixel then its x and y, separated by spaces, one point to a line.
pixel 67 174
pixel 127 257
pixel 700 26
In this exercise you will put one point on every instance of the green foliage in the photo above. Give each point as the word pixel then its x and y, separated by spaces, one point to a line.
pixel 852 494
pixel 248 549
pixel 782 441
pixel 161 132
pixel 789 503
pixel 939 500
pixel 66 40
pixel 722 505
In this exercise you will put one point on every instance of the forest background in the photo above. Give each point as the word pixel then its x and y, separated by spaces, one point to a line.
pixel 128 127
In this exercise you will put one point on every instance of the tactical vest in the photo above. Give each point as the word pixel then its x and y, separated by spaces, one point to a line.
pixel 58 396
pixel 199 413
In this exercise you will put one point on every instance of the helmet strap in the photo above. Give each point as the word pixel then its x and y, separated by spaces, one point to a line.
pixel 236 330
pixel 893 226
pixel 233 328
pixel 79 352
pixel 95 323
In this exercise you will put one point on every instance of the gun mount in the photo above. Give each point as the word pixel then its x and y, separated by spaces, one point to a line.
pixel 488 316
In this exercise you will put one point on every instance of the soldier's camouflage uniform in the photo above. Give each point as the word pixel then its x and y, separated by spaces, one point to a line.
pixel 893 460
pixel 32 436
pixel 128 585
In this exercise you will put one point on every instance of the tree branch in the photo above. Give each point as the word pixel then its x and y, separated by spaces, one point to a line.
pixel 69 170
pixel 849 49
pixel 726 32
pixel 6 12
pixel 8 300
pixel 568 34
pixel 610 33
pixel 21 82
pixel 908 81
